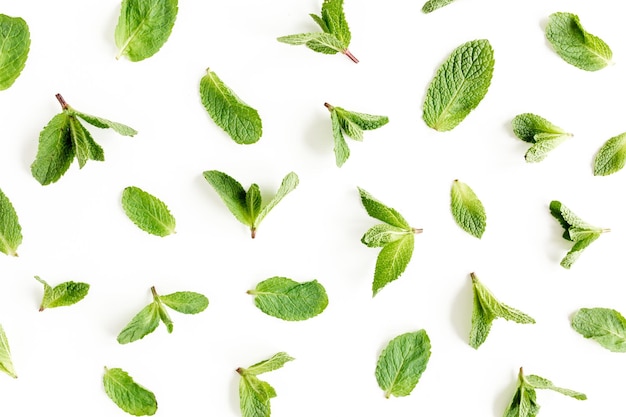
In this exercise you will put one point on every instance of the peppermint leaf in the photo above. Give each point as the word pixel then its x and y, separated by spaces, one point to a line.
pixel 144 323
pixel 459 85
pixel 106 124
pixel 186 302
pixel 486 309
pixel 575 45
pixel 538 382
pixel 275 362
pixel 6 364
pixel 10 229
pixel 143 27
pixel 64 294
pixel 351 124
pixel 288 184
pixel 14 47
pixel 392 261
pixel 468 211
pixel 289 300
pixel 611 157
pixel 604 325
pixel 379 211
pixel 127 394
pixel 402 362
pixel 241 122
pixel 83 143
pixel 541 133
pixel 432 5
pixel 381 234
pixel 148 212
pixel 254 394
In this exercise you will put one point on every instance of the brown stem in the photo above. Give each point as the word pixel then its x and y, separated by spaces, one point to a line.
pixel 252 232
pixel 417 231
pixel 154 293
pixel 62 101
pixel 352 57
pixel 328 106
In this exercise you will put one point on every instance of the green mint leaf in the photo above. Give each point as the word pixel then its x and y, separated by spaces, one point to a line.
pixel 254 201
pixel 545 143
pixel 317 19
pixel 575 45
pixel 604 325
pixel 432 5
pixel 186 302
pixel 275 362
pixel 381 234
pixel 165 317
pixel 144 323
pixel 576 230
pixel 127 394
pixel 64 294
pixel 289 300
pixel 241 122
pixel 335 20
pixel 148 212
pixel 14 47
pixel 468 211
pixel 144 26
pixel 288 184
pixel 83 143
pixel 106 124
pixel 379 211
pixel 55 152
pixel 538 382
pixel 6 365
pixel 611 157
pixel 392 261
pixel 325 44
pixel 342 152
pixel 541 133
pixel 231 192
pixel 10 229
pixel 254 397
pixel 486 309
pixel 402 362
pixel 459 85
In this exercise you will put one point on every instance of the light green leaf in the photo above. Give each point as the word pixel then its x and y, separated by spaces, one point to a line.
pixel 381 234
pixel 144 323
pixel 575 45
pixel 254 396
pixel 106 124
pixel 432 5
pixel 289 300
pixel 545 143
pixel 325 44
pixel 289 183
pixel 317 19
pixel 14 47
pixel 148 212
pixel 186 302
pixel 127 394
pixel 144 26
pixel 55 152
pixel 254 201
pixel 392 261
pixel 10 229
pixel 165 317
pixel 527 126
pixel 83 143
pixel 300 38
pixel 335 20
pixel 538 382
pixel 64 294
pixel 6 364
pixel 363 120
pixel 468 211
pixel 231 192
pixel 604 325
pixel 402 362
pixel 241 122
pixel 342 152
pixel 486 309
pixel 275 362
pixel 459 85
pixel 611 157
pixel 379 211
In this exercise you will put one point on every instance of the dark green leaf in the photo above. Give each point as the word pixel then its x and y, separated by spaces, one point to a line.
pixel 14 47
pixel 55 152
pixel 232 193
pixel 379 211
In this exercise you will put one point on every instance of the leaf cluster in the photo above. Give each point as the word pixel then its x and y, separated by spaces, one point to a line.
pixel 576 230
pixel 543 135
pixel 64 294
pixel 148 319
pixel 604 325
pixel 289 300
pixel 352 124
pixel 247 206
pixel 395 236
pixel 255 394
pixel 127 394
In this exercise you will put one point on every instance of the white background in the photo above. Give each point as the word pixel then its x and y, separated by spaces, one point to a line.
pixel 75 229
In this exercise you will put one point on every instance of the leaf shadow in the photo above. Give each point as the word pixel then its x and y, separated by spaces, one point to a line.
pixel 318 135
pixel 503 398
pixel 234 393
pixel 462 309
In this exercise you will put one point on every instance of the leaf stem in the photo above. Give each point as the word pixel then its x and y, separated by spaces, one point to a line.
pixel 352 57
pixel 606 230
pixel 154 293
pixel 416 231
pixel 329 107
pixel 62 101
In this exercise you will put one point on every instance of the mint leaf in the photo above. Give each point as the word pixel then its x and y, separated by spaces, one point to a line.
pixel 148 212
pixel 6 364
pixel 144 323
pixel 486 309
pixel 10 229
pixel 524 401
pixel 432 5
pixel 247 207
pixel 402 362
pixel 381 234
pixel 611 157
pixel 143 27
pixel 468 211
pixel 392 261
pixel 604 325
pixel 379 211
pixel 576 230
pixel 241 122
pixel 351 124
pixel 575 45
pixel 541 133
pixel 459 85
pixel 335 36
pixel 127 394
pixel 254 394
pixel 289 300
pixel 14 47
pixel 65 137
pixel 64 294
pixel 186 302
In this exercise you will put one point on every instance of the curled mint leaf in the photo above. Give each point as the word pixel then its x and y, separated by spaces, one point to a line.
pixel 468 211
pixel 6 364
pixel 144 26
pixel 14 47
pixel 64 294
pixel 10 229
pixel 148 212
pixel 611 157
pixel 604 325
pixel 289 300
pixel 459 85
pixel 575 45
pixel 127 394
pixel 541 133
